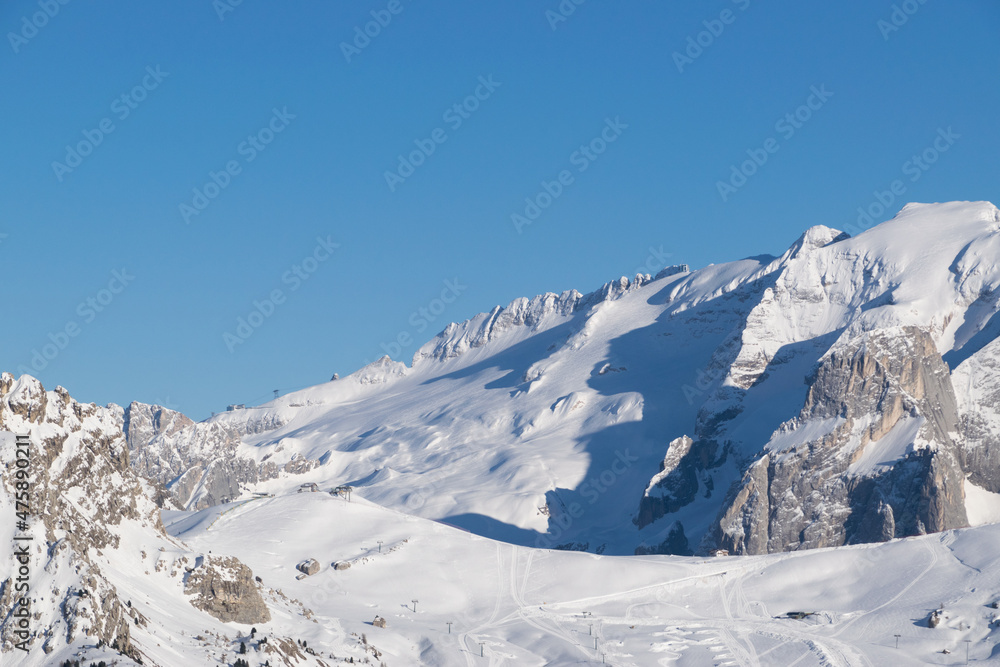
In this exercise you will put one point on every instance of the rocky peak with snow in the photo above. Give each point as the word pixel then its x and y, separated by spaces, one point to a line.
pixel 529 315
pixel 143 422
pixel 102 573
pixel 871 456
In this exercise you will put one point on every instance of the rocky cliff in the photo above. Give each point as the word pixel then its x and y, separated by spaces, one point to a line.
pixel 198 463
pixel 872 455
pixel 94 533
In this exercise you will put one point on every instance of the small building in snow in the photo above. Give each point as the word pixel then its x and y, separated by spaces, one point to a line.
pixel 308 567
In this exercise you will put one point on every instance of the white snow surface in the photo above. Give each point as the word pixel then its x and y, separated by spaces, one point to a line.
pixel 982 506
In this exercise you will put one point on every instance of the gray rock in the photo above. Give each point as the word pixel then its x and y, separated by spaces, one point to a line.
pixel 197 463
pixel 674 486
pixel 978 378
pixel 807 497
pixel 224 587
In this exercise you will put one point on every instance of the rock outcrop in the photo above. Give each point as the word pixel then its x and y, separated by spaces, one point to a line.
pixel 535 314
pixel 144 422
pixel 674 486
pixel 977 382
pixel 199 463
pixel 871 456
pixel 225 588
pixel 82 492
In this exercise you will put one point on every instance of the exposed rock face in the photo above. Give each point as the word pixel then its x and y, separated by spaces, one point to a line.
pixel 225 588
pixel 871 456
pixel 198 463
pixel 675 542
pixel 536 313
pixel 673 487
pixel 144 422
pixel 82 490
pixel 878 449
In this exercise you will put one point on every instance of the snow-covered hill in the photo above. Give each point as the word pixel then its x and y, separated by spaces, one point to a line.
pixel 680 412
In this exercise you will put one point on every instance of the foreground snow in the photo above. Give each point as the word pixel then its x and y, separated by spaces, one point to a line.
pixel 524 606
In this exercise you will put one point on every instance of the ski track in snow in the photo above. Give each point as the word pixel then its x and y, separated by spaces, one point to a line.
pixel 742 619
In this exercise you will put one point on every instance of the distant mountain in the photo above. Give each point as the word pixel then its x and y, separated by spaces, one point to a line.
pixel 843 391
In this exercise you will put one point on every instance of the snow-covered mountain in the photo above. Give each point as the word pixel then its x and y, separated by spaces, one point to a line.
pixel 844 392
pixel 837 393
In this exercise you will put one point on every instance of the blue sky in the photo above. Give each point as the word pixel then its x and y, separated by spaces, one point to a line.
pixel 309 133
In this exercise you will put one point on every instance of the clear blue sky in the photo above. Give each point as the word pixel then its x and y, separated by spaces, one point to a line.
pixel 160 338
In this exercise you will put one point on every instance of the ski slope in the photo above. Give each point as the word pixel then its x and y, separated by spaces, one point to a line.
pixel 523 606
